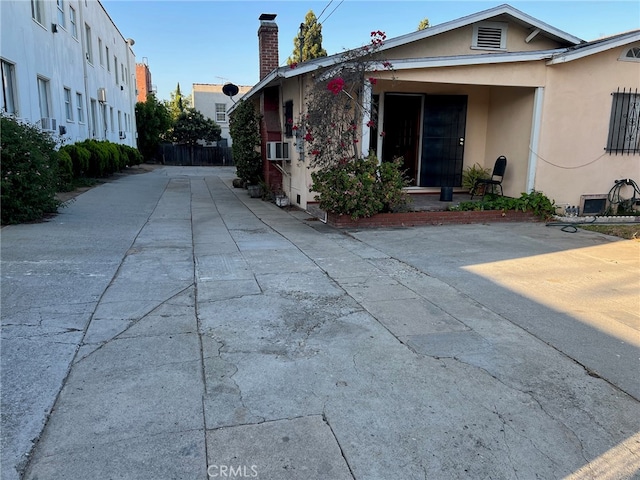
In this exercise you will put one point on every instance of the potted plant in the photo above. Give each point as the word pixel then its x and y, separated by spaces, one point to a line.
pixel 473 173
pixel 281 199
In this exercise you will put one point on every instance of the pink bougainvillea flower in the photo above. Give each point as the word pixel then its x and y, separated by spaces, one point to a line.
pixel 336 85
pixel 387 64
pixel 371 123
pixel 382 134
pixel 373 81
pixel 308 137
pixel 315 152
pixel 293 65
pixel 295 127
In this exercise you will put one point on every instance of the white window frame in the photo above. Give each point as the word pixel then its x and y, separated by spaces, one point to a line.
pixel 631 54
pixel 44 97
pixel 106 50
pixel 37 11
pixel 9 88
pixel 111 119
pixel 73 20
pixel 88 43
pixel 100 54
pixel 115 67
pixel 68 106
pixel 80 107
pixel 502 26
pixel 62 19
pixel 221 116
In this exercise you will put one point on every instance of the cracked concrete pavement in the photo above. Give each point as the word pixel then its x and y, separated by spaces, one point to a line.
pixel 168 326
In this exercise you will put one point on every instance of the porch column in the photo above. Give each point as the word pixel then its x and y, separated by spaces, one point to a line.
pixel 366 116
pixel 535 138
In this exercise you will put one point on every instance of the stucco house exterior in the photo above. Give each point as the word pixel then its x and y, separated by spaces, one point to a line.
pixel 564 111
pixel 67 69
pixel 209 100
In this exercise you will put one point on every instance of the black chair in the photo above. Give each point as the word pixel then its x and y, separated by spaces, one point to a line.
pixel 496 177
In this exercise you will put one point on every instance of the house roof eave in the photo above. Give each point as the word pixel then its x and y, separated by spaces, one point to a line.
pixel 484 59
pixel 597 46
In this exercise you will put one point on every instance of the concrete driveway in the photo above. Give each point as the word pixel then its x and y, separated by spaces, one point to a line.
pixel 165 325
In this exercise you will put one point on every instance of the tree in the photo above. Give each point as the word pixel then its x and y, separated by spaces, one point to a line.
pixel 191 126
pixel 244 127
pixel 154 121
pixel 424 23
pixel 178 103
pixel 312 41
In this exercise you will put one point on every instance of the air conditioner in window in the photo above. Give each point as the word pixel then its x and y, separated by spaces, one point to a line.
pixel 123 135
pixel 102 95
pixel 278 151
pixel 47 123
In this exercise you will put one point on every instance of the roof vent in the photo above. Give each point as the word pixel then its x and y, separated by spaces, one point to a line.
pixel 490 36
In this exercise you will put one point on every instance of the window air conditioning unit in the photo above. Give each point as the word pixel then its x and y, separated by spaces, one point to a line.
pixel 102 95
pixel 278 151
pixel 47 123
pixel 123 135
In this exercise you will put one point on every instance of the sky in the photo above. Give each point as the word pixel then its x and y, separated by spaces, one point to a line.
pixel 210 41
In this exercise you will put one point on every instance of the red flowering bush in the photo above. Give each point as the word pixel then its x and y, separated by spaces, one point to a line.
pixel 338 107
pixel 335 85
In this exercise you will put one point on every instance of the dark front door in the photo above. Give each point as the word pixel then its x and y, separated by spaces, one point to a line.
pixel 402 131
pixel 443 140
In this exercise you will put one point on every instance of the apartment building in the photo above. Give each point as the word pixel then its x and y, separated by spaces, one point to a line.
pixel 209 100
pixel 67 69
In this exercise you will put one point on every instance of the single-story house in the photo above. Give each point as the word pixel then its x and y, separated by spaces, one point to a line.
pixel 565 112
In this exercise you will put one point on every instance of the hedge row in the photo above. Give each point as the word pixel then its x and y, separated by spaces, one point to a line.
pixel 93 159
pixel 32 170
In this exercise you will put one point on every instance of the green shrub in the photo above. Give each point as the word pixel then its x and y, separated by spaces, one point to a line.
pixel 536 202
pixel 244 128
pixel 29 172
pixel 65 171
pixel 79 159
pixel 360 188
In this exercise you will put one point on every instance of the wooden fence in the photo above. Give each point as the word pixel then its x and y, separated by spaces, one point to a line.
pixel 195 156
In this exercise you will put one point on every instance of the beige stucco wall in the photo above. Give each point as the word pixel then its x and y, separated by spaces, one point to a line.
pixel 458 42
pixel 508 133
pixel 577 108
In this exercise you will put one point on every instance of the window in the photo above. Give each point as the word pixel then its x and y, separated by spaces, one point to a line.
pixel 288 118
pixel 9 95
pixel 37 11
pixel 631 55
pixel 100 51
pixel 79 107
pixel 489 36
pixel 62 19
pixel 111 118
pixel 221 112
pixel 43 97
pixel 115 67
pixel 120 122
pixel 122 72
pixel 94 118
pixel 624 132
pixel 106 51
pixel 68 108
pixel 87 31
pixel 73 21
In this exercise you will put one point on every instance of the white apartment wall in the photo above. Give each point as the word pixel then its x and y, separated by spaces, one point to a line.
pixel 36 51
pixel 206 96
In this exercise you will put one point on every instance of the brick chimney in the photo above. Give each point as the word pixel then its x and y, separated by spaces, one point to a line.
pixel 268 44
